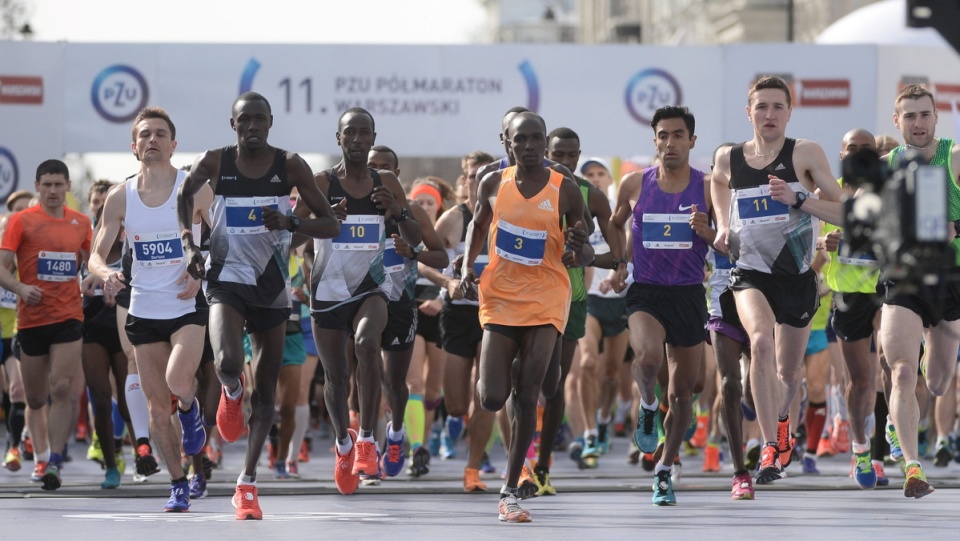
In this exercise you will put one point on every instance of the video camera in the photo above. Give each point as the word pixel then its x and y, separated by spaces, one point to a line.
pixel 899 217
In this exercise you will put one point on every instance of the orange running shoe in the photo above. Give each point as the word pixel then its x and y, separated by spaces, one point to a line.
pixel 699 438
pixel 784 447
pixel 343 476
pixel 528 485
pixel 472 482
pixel 230 419
pixel 12 460
pixel 769 466
pixel 365 462
pixel 38 472
pixel 840 438
pixel 711 458
pixel 510 510
pixel 246 502
pixel 304 455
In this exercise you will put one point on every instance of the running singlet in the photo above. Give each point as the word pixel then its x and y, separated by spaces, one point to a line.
pixel 479 264
pixel 720 267
pixel 855 273
pixel 48 256
pixel 578 283
pixel 525 284
pixel 158 256
pixel 350 266
pixel 401 273
pixel 666 251
pixel 766 235
pixel 244 255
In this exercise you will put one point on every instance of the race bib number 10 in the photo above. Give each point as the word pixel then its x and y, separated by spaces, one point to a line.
pixel 57 266
pixel 359 232
pixel 245 214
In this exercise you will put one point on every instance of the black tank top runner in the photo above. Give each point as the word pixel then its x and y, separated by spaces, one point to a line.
pixel 744 176
pixel 356 205
pixel 232 183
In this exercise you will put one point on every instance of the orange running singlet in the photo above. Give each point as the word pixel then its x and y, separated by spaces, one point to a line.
pixel 48 256
pixel 525 283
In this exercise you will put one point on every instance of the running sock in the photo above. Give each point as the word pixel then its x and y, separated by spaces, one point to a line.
pixel 860 447
pixel 119 425
pixel 623 408
pixel 247 479
pixel 414 415
pixel 41 457
pixel 233 395
pixel 344 447
pixel 365 435
pixel 508 491
pixel 841 403
pixel 186 411
pixel 301 420
pixel 660 467
pixel 16 421
pixel 137 406
pixel 816 418
pixel 650 407
pixel 394 434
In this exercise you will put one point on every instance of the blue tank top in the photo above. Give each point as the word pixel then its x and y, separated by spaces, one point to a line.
pixel 666 251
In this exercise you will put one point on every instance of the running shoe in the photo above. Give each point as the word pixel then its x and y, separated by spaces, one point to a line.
pixel 146 464
pixel 420 462
pixel 94 452
pixel 11 460
pixel 769 466
pixel 751 456
pixel 472 482
pixel 810 465
pixel 840 438
pixel 179 501
pixel 38 472
pixel 922 445
pixel 620 429
pixel 590 448
pixel 645 435
pixel 293 469
pixel 742 487
pixel 280 470
pixel 139 479
pixel 215 455
pixel 198 486
pixel 542 477
pixel 663 489
pixel 510 510
pixel 528 484
pixel 120 460
pixel 111 479
pixel 246 503
pixel 882 479
pixel 943 455
pixel 676 471
pixel 633 457
pixel 454 427
pixel 699 438
pixel 784 449
pixel 576 454
pixel 230 418
pixel 26 447
pixel 891 435
pixel 343 476
pixel 916 485
pixel 365 461
pixel 603 438
pixel 194 435
pixel 825 448
pixel 51 478
pixel 448 447
pixel 863 472
pixel 485 465
pixel 648 461
pixel 433 443
pixel 711 458
pixel 394 458
pixel 304 455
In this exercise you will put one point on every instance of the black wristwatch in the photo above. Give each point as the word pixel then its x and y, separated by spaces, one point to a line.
pixel 294 224
pixel 801 197
pixel 404 214
pixel 617 261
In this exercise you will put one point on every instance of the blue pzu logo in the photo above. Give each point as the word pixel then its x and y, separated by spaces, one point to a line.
pixel 650 90
pixel 9 173
pixel 119 92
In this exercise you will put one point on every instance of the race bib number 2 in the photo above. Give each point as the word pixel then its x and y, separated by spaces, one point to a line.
pixel 57 266
pixel 245 214
pixel 667 232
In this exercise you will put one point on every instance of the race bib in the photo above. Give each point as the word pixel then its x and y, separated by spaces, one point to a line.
pixel 667 232
pixel 722 265
pixel 520 245
pixel 359 232
pixel 480 264
pixel 57 266
pixel 756 207
pixel 245 214
pixel 392 261
pixel 859 260
pixel 8 299
pixel 158 249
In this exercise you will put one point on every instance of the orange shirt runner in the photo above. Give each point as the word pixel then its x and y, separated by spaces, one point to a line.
pixel 48 257
pixel 525 283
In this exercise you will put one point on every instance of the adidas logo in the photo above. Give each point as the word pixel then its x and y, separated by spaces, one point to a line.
pixel 545 205
pixel 779 167
pixel 74 222
pixel 805 315
pixel 275 179
pixel 396 342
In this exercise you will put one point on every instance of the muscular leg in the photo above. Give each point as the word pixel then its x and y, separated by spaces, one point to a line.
pixel 590 371
pixel 267 347
pixel 152 360
pixel 684 367
pixel 289 388
pixel 758 322
pixel 862 366
pixel 397 366
pixel 572 394
pixel 902 356
pixel 727 352
pixel 96 369
pixel 368 326
pixel 226 338
pixel 646 339
pixel 332 347
pixel 790 345
pixel 553 410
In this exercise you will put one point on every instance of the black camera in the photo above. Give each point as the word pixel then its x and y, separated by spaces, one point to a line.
pixel 899 217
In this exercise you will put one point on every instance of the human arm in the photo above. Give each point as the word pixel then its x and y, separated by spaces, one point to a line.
pixel 391 198
pixel 720 197
pixel 434 255
pixel 629 190
pixel 201 172
pixel 323 225
pixel 477 233
pixel 811 162
pixel 108 229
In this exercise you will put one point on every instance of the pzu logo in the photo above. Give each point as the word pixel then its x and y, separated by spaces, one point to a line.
pixel 650 90
pixel 119 92
pixel 9 173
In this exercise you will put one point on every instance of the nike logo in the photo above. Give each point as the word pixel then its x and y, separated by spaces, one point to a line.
pixel 683 208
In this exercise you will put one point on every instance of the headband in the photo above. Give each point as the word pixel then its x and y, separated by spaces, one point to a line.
pixel 429 190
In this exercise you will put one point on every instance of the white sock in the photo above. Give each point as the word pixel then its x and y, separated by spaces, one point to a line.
pixel 301 419
pixel 345 447
pixel 137 406
pixel 660 467
pixel 246 480
pixel 650 407
pixel 394 435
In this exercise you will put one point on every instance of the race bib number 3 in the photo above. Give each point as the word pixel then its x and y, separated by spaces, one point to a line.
pixel 157 249
pixel 245 214
pixel 520 245
pixel 359 232
pixel 756 207
pixel 667 232
pixel 57 266
pixel 392 261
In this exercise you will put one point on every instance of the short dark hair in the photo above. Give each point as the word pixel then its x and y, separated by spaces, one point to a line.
pixel 99 186
pixel 357 111
pixel 511 112
pixel 53 167
pixel 764 82
pixel 913 92
pixel 674 111
pixel 153 112
pixel 387 150
pixel 563 133
pixel 251 96
pixel 534 116
pixel 479 157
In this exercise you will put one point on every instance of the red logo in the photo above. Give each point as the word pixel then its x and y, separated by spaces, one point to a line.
pixel 822 92
pixel 22 90
pixel 136 237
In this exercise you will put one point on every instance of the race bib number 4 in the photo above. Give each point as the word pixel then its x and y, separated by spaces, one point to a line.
pixel 245 214
pixel 157 249
pixel 667 232
pixel 520 245
pixel 392 261
pixel 57 266
pixel 359 232
pixel 756 207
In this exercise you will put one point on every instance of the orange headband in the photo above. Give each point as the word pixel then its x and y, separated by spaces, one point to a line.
pixel 429 190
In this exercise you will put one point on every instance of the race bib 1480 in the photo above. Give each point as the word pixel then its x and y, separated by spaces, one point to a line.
pixel 57 266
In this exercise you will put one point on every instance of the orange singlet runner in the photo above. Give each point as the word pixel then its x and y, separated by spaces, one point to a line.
pixel 525 283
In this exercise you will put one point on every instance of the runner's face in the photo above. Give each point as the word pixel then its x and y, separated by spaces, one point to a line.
pixel 96 201
pixel 769 113
pixel 356 136
pixel 381 161
pixel 429 205
pixel 472 183
pixel 152 142
pixel 528 141
pixel 22 203
pixel 856 142
pixel 917 121
pixel 566 152
pixel 673 143
pixel 252 122
pixel 52 190
pixel 598 176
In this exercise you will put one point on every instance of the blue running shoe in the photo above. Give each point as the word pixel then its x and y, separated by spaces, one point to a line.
pixel 891 435
pixel 280 470
pixel 810 465
pixel 663 489
pixel 198 486
pixel 447 447
pixel 433 444
pixel 603 438
pixel 749 414
pixel 645 436
pixel 863 471
pixel 485 465
pixel 393 460
pixel 179 501
pixel 454 427
pixel 591 448
pixel 111 479
pixel 194 435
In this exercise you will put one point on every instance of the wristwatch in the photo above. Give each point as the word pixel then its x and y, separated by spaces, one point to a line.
pixel 404 214
pixel 294 224
pixel 617 261
pixel 801 197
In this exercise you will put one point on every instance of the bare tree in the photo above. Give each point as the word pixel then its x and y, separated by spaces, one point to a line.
pixel 13 15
